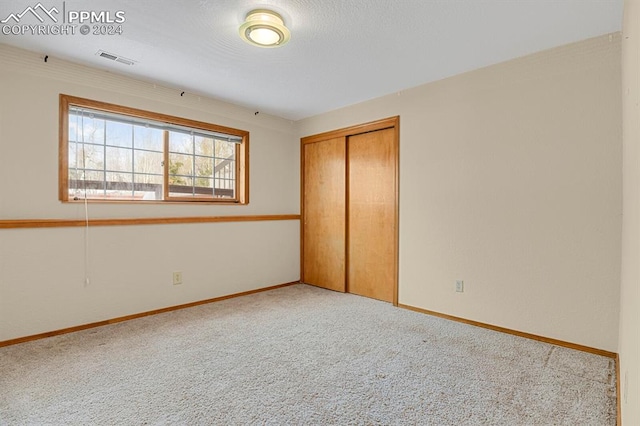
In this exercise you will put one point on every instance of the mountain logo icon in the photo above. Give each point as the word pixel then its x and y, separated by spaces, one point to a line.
pixel 38 11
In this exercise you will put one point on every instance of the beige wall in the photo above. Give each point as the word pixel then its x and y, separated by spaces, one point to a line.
pixel 130 268
pixel 510 180
pixel 629 301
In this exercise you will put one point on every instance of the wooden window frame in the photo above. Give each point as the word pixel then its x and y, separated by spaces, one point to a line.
pixel 242 152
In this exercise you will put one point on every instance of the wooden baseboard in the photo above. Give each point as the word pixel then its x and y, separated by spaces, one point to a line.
pixel 514 332
pixel 139 315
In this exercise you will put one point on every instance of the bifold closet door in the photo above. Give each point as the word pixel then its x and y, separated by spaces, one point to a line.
pixel 324 206
pixel 371 223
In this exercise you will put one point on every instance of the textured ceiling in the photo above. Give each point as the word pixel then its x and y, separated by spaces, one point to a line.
pixel 341 51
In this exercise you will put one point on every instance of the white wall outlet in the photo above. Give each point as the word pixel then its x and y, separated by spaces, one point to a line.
pixel 177 278
pixel 459 286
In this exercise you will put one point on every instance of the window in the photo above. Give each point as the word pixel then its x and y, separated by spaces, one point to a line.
pixel 114 153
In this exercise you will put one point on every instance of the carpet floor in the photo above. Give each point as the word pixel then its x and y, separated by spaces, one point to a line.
pixel 301 355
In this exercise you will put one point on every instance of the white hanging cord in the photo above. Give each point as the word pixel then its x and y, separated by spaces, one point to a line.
pixel 75 195
pixel 86 207
pixel 86 240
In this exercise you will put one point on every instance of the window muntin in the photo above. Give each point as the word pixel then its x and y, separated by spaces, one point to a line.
pixel 117 153
pixel 200 165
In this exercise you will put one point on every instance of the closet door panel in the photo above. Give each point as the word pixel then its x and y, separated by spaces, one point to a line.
pixel 372 214
pixel 324 200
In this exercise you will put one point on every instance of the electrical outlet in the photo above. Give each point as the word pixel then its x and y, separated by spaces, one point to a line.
pixel 177 278
pixel 459 286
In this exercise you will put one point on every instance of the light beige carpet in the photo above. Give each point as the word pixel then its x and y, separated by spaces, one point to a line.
pixel 301 355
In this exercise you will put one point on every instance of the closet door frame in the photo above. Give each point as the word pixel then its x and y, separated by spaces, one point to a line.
pixel 386 123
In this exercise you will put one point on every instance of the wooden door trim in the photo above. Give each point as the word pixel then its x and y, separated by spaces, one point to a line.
pixel 302 216
pixel 372 126
pixel 385 123
pixel 396 128
pixel 347 229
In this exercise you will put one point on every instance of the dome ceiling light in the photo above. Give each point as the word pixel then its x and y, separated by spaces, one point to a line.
pixel 264 28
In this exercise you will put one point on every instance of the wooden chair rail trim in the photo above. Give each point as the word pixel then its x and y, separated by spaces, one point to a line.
pixel 515 332
pixel 67 223
pixel 139 315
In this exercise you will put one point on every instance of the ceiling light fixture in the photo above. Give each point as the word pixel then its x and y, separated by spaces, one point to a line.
pixel 264 28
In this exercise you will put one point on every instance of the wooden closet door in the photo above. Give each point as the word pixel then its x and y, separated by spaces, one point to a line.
pixel 372 224
pixel 324 198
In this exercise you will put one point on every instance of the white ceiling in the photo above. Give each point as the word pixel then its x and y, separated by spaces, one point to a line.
pixel 341 51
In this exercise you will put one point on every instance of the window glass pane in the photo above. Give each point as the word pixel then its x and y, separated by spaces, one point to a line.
pixel 225 188
pixel 225 150
pixel 182 187
pixel 73 175
pixel 90 157
pixel 225 183
pixel 90 182
pixel 180 164
pixel 202 182
pixel 180 180
pixel 224 164
pixel 147 187
pixel 148 179
pixel 119 134
pixel 78 178
pixel 148 138
pixel 91 130
pixel 119 177
pixel 204 166
pixel 93 176
pixel 144 195
pixel 73 127
pixel 180 143
pixel 204 146
pixel 148 162
pixel 119 159
pixel 225 177
pixel 119 184
pixel 73 153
